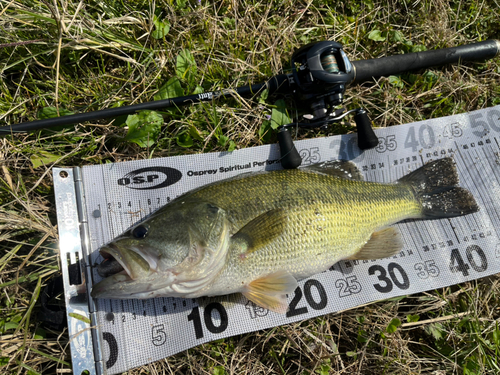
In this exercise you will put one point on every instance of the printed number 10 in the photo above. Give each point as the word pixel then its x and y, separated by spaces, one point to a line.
pixel 194 317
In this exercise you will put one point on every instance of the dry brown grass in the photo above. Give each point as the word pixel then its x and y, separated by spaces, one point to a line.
pixel 91 55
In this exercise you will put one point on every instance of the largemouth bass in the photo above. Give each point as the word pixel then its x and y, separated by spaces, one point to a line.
pixel 258 233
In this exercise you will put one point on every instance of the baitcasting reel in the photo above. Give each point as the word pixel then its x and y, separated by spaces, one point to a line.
pixel 320 73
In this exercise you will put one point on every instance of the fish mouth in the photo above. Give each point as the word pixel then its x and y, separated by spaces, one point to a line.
pixel 126 273
pixel 110 265
pixel 119 260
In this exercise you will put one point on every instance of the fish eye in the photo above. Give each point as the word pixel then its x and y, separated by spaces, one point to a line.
pixel 140 231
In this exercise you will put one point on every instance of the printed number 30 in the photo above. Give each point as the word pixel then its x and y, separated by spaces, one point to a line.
pixel 387 283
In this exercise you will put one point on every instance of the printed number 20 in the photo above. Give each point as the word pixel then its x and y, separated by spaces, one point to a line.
pixel 321 304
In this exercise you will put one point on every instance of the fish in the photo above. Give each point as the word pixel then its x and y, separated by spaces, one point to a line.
pixel 260 232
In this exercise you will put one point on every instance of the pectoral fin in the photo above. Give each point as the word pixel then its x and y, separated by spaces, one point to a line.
pixel 262 230
pixel 382 244
pixel 270 291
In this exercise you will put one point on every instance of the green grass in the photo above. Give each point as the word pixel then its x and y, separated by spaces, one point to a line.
pixel 69 56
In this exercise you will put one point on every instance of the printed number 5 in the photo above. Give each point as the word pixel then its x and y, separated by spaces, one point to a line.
pixel 158 334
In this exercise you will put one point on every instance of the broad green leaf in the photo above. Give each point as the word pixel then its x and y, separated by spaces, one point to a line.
pixel 263 96
pixel 397 36
pixel 51 112
pixel 144 128
pixel 171 89
pixel 376 35
pixel 412 318
pixel 430 76
pixel 43 158
pixel 4 361
pixel 368 4
pixel 198 90
pixel 232 146
pixel 219 370
pixel 265 132
pixel 279 117
pixel 418 48
pixel 185 67
pixel 352 354
pixel 9 325
pixel 223 139
pixel 393 325
pixel 40 334
pixel 194 133
pixel 161 28
pixel 435 330
pixel 184 140
pixel 396 81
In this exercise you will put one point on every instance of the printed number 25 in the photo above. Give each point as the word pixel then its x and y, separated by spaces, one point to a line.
pixel 310 155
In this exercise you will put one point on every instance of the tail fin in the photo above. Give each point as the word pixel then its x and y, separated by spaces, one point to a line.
pixel 435 186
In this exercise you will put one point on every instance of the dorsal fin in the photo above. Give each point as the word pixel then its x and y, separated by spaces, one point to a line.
pixel 337 168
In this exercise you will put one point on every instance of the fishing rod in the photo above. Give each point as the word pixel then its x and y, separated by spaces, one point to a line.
pixel 321 72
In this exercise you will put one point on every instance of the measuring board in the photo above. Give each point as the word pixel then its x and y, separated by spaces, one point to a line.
pixel 97 203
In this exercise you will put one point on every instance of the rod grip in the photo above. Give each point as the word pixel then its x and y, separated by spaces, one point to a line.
pixel 366 70
pixel 290 158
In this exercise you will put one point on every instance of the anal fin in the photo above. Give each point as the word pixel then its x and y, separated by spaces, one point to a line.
pixel 382 244
pixel 270 291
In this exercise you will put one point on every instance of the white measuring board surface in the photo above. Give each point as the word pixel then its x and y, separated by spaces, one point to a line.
pixel 436 253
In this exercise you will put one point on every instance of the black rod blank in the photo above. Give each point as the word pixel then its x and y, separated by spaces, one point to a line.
pixel 277 83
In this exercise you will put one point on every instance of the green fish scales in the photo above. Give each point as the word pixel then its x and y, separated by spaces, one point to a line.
pixel 320 218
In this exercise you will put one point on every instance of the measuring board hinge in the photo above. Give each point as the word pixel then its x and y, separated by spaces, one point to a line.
pixel 74 252
pixel 82 218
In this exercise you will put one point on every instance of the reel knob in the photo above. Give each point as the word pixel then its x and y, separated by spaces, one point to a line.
pixel 290 158
pixel 366 136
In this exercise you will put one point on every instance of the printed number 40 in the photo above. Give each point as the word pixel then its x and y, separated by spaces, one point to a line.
pixel 457 263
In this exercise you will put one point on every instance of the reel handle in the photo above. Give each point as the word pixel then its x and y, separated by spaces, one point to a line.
pixel 366 136
pixel 290 158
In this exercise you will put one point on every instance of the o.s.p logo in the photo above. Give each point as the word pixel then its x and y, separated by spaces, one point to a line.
pixel 150 178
